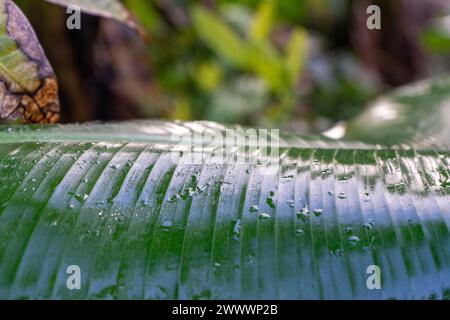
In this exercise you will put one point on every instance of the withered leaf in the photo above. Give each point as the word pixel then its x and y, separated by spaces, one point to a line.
pixel 112 9
pixel 28 86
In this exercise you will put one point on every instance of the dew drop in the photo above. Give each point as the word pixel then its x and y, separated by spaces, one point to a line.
pixel 304 212
pixel 341 195
pixel 317 212
pixel 290 203
pixel 368 226
pixel 237 230
pixel 144 202
pixel 264 216
pixel 173 198
pixel 336 252
pixel 287 178
pixel 347 229
pixel 167 224
pixel 353 240
pixel 270 202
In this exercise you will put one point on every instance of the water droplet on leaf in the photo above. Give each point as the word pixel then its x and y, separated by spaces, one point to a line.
pixel 353 240
pixel 264 216
pixel 317 212
pixel 341 195
pixel 167 224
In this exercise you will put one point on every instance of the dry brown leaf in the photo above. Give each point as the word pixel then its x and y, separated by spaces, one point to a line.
pixel 28 86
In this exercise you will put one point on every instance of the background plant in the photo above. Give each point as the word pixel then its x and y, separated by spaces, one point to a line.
pixel 183 74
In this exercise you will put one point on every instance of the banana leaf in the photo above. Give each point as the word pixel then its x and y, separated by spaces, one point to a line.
pixel 132 207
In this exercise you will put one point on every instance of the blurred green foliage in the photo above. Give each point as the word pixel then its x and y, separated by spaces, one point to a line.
pixel 300 64
pixel 237 61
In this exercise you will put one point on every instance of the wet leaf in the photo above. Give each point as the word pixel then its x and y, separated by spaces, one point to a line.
pixel 417 114
pixel 127 204
pixel 28 86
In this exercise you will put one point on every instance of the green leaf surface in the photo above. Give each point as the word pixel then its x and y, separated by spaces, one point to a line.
pixel 126 203
pixel 417 114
